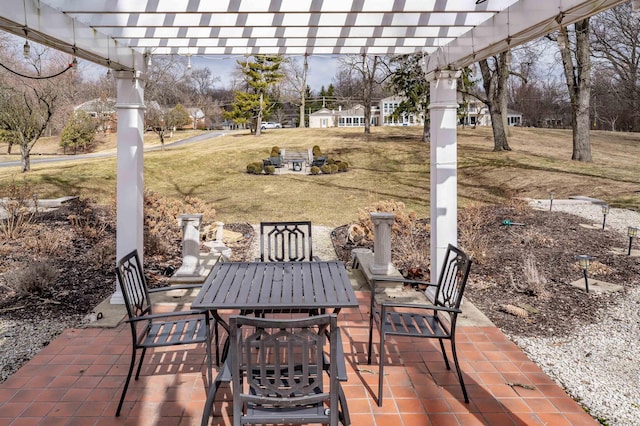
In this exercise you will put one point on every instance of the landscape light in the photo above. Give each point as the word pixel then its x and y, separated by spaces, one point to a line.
pixel 632 231
pixel 583 261
pixel 551 195
pixel 605 212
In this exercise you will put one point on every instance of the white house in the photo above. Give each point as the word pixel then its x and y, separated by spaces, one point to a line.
pixel 476 113
pixel 381 115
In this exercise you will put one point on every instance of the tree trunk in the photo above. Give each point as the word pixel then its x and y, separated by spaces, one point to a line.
pixel 9 145
pixel 162 141
pixel 302 124
pixel 426 130
pixel 580 125
pixel 578 83
pixel 500 142
pixel 25 160
pixel 259 119
pixel 495 84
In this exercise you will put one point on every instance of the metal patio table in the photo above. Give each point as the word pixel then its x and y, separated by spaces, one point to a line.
pixel 276 287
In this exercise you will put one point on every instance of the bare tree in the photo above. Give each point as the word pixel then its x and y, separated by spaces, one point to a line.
pixel 615 44
pixel 495 75
pixel 371 74
pixel 30 96
pixel 164 121
pixel 295 85
pixel 25 112
pixel 574 51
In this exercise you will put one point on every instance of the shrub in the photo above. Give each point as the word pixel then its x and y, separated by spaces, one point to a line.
pixel 254 168
pixel 342 166
pixel 315 170
pixel 334 168
pixel 88 220
pixel 316 151
pixel 37 279
pixel 275 151
pixel 16 200
pixel 326 169
pixel 45 240
pixel 162 232
pixel 330 161
pixel 269 170
pixel 402 226
pixel 471 225
pixel 102 255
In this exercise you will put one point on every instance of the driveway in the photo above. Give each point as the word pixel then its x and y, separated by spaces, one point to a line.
pixel 197 138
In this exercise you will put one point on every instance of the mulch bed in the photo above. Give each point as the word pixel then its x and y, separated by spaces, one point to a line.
pixel 552 240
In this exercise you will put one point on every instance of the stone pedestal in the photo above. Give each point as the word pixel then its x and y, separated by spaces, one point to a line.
pixel 219 231
pixel 190 224
pixel 382 223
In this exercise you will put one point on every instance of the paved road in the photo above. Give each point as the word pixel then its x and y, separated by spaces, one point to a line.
pixel 35 160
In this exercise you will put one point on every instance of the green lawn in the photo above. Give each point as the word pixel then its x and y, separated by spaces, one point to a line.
pixel 391 163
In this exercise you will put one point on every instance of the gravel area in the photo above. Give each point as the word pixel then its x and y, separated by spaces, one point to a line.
pixel 597 365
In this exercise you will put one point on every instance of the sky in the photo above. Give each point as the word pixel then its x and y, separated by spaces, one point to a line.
pixel 322 69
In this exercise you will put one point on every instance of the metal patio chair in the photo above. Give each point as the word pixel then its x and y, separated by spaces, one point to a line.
pixel 286 242
pixel 280 373
pixel 149 330
pixel 432 321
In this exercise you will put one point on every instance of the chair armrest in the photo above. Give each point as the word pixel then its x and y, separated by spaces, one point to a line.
pixel 174 287
pixel 341 367
pixel 419 306
pixel 404 280
pixel 166 315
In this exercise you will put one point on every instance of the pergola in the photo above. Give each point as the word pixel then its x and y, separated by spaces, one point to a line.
pixel 451 34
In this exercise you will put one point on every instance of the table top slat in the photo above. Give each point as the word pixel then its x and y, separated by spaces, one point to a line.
pixel 277 285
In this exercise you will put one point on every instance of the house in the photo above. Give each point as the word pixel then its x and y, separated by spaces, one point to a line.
pixel 322 118
pixel 389 105
pixel 352 117
pixel 476 113
pixel 103 110
pixel 197 118
pixel 381 115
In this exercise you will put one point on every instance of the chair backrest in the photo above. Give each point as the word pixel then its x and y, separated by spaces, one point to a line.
pixel 453 278
pixel 285 241
pixel 133 284
pixel 277 364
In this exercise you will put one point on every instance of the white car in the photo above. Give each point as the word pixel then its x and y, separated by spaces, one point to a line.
pixel 270 125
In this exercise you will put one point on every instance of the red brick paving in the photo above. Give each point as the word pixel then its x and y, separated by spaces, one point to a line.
pixel 77 379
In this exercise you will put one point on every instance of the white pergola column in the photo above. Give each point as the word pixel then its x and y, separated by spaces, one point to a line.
pixel 444 164
pixel 130 177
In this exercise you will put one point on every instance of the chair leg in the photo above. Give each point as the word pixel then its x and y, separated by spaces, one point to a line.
pixel 144 351
pixel 444 354
pixel 208 406
pixel 344 412
pixel 370 345
pixel 217 342
pixel 381 369
pixel 460 379
pixel 209 364
pixel 126 382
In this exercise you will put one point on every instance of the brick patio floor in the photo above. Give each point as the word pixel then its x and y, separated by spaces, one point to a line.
pixel 77 380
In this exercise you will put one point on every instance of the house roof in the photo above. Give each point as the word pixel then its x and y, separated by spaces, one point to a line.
pixel 450 33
